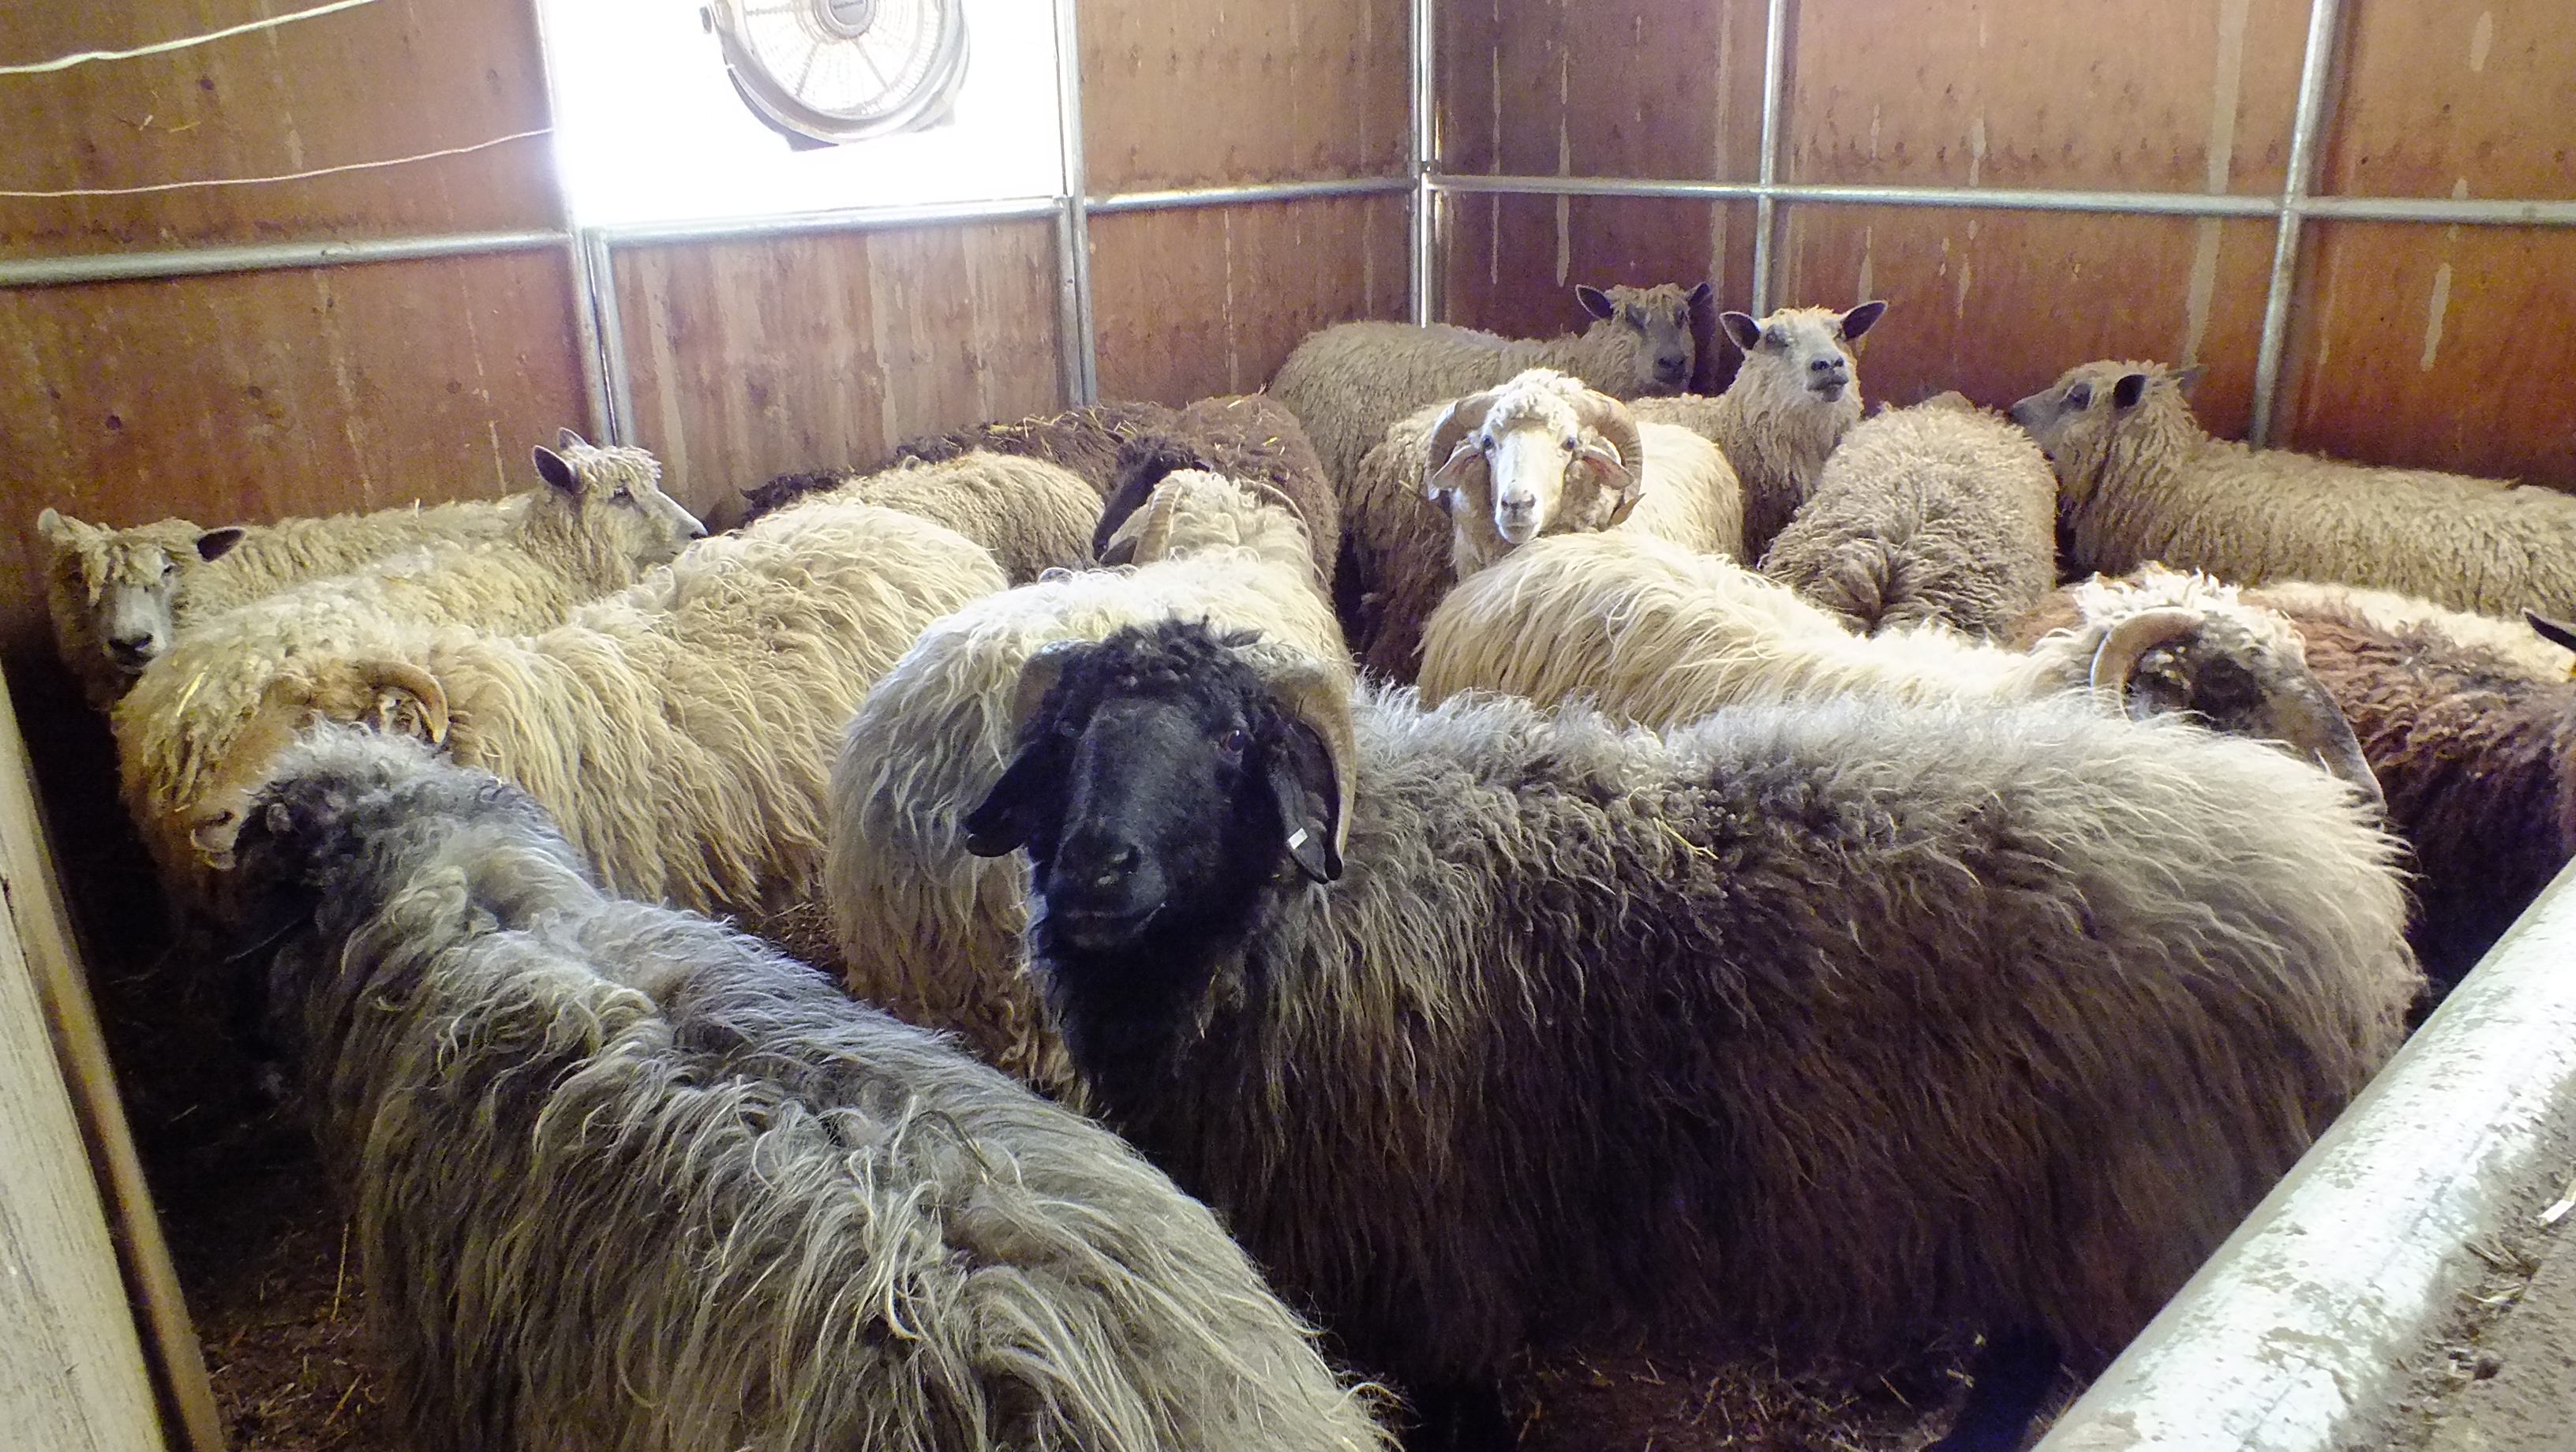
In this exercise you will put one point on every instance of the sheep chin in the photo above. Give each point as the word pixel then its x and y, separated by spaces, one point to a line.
pixel 1828 392
pixel 1518 530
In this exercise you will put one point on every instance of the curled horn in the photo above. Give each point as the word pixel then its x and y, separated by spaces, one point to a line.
pixel 1625 455
pixel 1145 535
pixel 386 679
pixel 1319 694
pixel 2557 633
pixel 1038 674
pixel 1445 464
pixel 2116 658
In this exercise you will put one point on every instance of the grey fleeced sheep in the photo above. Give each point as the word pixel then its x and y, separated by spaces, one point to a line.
pixel 1662 637
pixel 932 932
pixel 599 527
pixel 628 1180
pixel 1795 395
pixel 1843 1026
pixel 682 732
pixel 2140 480
pixel 1348 382
pixel 1937 513
pixel 1034 516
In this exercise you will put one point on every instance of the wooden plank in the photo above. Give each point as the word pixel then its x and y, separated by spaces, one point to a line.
pixel 368 84
pixel 77 1378
pixel 1206 300
pixel 1637 88
pixel 256 395
pixel 2442 99
pixel 754 358
pixel 1510 263
pixel 2195 96
pixel 2442 347
pixel 1996 304
pixel 1180 93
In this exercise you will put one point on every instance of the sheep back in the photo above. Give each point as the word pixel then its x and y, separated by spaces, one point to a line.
pixel 628 1180
pixel 1931 513
pixel 1034 516
pixel 1692 496
pixel 2514 644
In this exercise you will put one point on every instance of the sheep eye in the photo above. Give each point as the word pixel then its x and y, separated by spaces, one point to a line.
pixel 1234 742
pixel 2079 396
pixel 1775 340
pixel 1572 444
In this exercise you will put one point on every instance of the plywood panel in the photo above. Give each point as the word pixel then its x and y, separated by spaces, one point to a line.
pixel 256 395
pixel 1511 263
pixel 2444 347
pixel 1996 304
pixel 1634 88
pixel 380 81
pixel 2195 95
pixel 1200 92
pixel 1206 300
pixel 759 357
pixel 2440 98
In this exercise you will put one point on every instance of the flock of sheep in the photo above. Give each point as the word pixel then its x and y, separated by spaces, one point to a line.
pixel 1510 855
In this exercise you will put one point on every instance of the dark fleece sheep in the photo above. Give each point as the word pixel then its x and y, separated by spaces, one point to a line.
pixel 1845 1025
pixel 628 1179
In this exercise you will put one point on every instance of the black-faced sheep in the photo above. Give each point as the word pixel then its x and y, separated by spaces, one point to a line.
pixel 2140 480
pixel 628 1180
pixel 1795 395
pixel 1348 382
pixel 682 732
pixel 1539 455
pixel 600 527
pixel 923 927
pixel 1937 513
pixel 1846 1025
pixel 120 597
pixel 1034 516
pixel 1661 637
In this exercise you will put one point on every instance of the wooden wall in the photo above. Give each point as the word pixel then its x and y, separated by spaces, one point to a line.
pixel 2432 100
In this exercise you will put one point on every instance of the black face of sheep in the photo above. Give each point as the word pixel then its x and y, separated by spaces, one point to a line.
pixel 1667 331
pixel 1160 783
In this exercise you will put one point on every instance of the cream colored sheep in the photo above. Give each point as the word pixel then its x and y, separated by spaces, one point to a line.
pixel 1033 515
pixel 1794 397
pixel 2141 480
pixel 932 932
pixel 1941 512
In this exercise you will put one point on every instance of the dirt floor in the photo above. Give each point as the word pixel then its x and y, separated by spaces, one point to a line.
pixel 2500 1373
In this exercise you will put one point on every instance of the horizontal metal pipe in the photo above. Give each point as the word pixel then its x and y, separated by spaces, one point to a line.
pixel 1358 186
pixel 2300 1331
pixel 2441 209
pixel 847 219
pixel 262 257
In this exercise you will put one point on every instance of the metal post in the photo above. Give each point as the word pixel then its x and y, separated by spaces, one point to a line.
pixel 2304 126
pixel 611 327
pixel 1424 159
pixel 1073 220
pixel 1775 37
pixel 587 339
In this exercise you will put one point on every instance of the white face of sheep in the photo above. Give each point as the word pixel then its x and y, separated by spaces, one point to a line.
pixel 1522 450
pixel 1802 350
pixel 133 584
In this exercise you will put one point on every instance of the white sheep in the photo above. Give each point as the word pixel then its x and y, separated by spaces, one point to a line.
pixel 682 732
pixel 1663 636
pixel 2141 480
pixel 932 932
pixel 1347 382
pixel 1795 395
pixel 1033 515
pixel 1941 512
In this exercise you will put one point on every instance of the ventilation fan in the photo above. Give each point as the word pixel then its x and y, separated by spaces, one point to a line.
pixel 826 71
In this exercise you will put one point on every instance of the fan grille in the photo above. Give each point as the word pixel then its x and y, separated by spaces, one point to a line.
pixel 842 69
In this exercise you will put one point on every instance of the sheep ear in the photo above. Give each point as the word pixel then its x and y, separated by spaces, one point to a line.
pixel 1594 300
pixel 1301 782
pixel 2556 632
pixel 214 544
pixel 1743 328
pixel 2127 392
pixel 552 468
pixel 55 528
pixel 1002 822
pixel 2189 376
pixel 1446 482
pixel 1860 319
pixel 1698 295
pixel 567 439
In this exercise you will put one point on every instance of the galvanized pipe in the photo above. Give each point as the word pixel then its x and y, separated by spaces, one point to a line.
pixel 1422 162
pixel 1358 186
pixel 1080 345
pixel 1766 194
pixel 846 219
pixel 263 257
pixel 2305 123
pixel 612 335
pixel 587 337
pixel 2304 1324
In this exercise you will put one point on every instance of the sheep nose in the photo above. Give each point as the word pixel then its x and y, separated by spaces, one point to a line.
pixel 1670 370
pixel 1115 866
pixel 134 650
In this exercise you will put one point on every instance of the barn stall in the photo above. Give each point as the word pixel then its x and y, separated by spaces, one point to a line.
pixel 345 260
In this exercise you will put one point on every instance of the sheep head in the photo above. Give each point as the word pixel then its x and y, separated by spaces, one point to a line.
pixel 124 583
pixel 1165 778
pixel 1656 324
pixel 1539 455
pixel 610 502
pixel 389 697
pixel 1801 356
pixel 2168 642
pixel 2098 413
